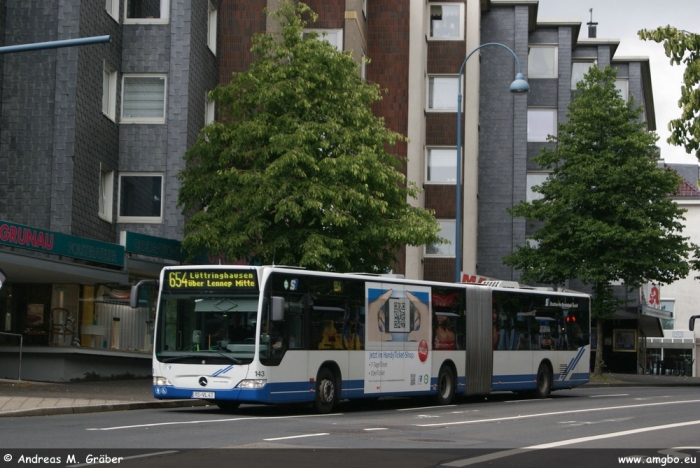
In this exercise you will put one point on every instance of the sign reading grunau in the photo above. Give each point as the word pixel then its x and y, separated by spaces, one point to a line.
pixel 26 237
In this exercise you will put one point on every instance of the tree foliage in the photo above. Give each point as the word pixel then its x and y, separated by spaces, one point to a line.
pixel 604 208
pixel 682 47
pixel 296 169
pixel 605 214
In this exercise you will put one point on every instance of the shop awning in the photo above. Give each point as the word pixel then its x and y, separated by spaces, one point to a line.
pixel 23 268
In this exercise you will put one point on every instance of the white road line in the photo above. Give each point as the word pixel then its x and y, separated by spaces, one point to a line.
pixel 562 443
pixel 605 396
pixel 298 436
pixel 425 408
pixel 208 421
pixel 143 455
pixel 527 400
pixel 376 429
pixel 556 413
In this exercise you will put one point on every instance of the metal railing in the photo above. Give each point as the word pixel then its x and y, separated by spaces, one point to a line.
pixel 19 369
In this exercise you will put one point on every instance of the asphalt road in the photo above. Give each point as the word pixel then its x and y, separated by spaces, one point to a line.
pixel 598 422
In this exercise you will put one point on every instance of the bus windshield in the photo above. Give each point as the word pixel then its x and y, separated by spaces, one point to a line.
pixel 191 327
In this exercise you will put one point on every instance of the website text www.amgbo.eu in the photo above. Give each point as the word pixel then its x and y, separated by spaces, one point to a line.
pixel 657 460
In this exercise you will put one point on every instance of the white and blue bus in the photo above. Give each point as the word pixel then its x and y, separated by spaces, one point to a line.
pixel 243 334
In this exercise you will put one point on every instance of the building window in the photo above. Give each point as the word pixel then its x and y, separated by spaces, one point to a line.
pixel 578 70
pixel 109 91
pixel 534 178
pixel 364 8
pixel 363 66
pixel 143 99
pixel 211 28
pixel 106 190
pixel 442 93
pixel 332 36
pixel 447 21
pixel 209 110
pixel 542 62
pixel 146 11
pixel 447 231
pixel 441 165
pixel 112 7
pixel 140 198
pixel 541 123
pixel 623 87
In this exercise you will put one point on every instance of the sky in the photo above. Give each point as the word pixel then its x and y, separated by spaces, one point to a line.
pixel 621 19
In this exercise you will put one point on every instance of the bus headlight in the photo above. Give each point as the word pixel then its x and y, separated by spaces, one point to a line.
pixel 252 383
pixel 161 381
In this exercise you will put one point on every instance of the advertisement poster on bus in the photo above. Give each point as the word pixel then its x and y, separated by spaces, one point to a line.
pixel 398 334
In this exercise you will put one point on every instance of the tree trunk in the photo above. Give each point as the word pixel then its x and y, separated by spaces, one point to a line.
pixel 598 369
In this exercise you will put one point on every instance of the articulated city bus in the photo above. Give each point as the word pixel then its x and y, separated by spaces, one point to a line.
pixel 242 334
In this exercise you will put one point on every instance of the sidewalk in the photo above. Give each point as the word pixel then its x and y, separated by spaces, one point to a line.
pixel 23 398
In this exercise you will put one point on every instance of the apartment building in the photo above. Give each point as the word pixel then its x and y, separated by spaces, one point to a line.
pixel 93 136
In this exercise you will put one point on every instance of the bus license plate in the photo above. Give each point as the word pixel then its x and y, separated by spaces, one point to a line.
pixel 202 394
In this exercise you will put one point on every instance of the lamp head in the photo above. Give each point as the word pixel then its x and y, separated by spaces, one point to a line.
pixel 519 85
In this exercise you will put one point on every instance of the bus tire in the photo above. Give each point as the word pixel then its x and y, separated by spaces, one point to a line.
pixel 326 391
pixel 228 406
pixel 544 381
pixel 445 386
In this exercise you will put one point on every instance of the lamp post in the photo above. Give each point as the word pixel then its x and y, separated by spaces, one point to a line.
pixel 518 86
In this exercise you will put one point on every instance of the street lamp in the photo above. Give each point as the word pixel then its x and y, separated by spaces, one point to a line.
pixel 519 85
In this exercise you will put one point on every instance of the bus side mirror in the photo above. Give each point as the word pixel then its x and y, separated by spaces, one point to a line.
pixel 277 308
pixel 134 297
pixel 691 324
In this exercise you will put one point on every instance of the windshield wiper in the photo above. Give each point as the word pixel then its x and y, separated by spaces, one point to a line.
pixel 184 357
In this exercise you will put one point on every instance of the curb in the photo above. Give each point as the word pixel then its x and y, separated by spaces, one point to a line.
pixel 50 411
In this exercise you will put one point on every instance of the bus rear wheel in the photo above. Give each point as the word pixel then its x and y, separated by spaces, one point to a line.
pixel 326 392
pixel 544 382
pixel 445 386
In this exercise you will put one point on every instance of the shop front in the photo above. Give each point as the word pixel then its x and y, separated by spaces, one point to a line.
pixel 65 304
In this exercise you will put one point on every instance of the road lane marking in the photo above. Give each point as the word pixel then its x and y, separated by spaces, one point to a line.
pixel 207 421
pixel 562 443
pixel 556 413
pixel 605 396
pixel 425 408
pixel 376 429
pixel 297 436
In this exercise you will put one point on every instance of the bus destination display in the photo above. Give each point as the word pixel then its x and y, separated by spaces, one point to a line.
pixel 188 280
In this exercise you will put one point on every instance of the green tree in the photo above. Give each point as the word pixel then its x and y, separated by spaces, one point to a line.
pixel 296 170
pixel 605 214
pixel 682 46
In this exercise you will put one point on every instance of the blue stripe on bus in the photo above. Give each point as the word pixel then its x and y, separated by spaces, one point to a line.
pixel 298 392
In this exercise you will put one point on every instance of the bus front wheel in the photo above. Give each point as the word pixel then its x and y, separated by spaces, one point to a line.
pixel 445 386
pixel 326 391
pixel 227 406
pixel 544 381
